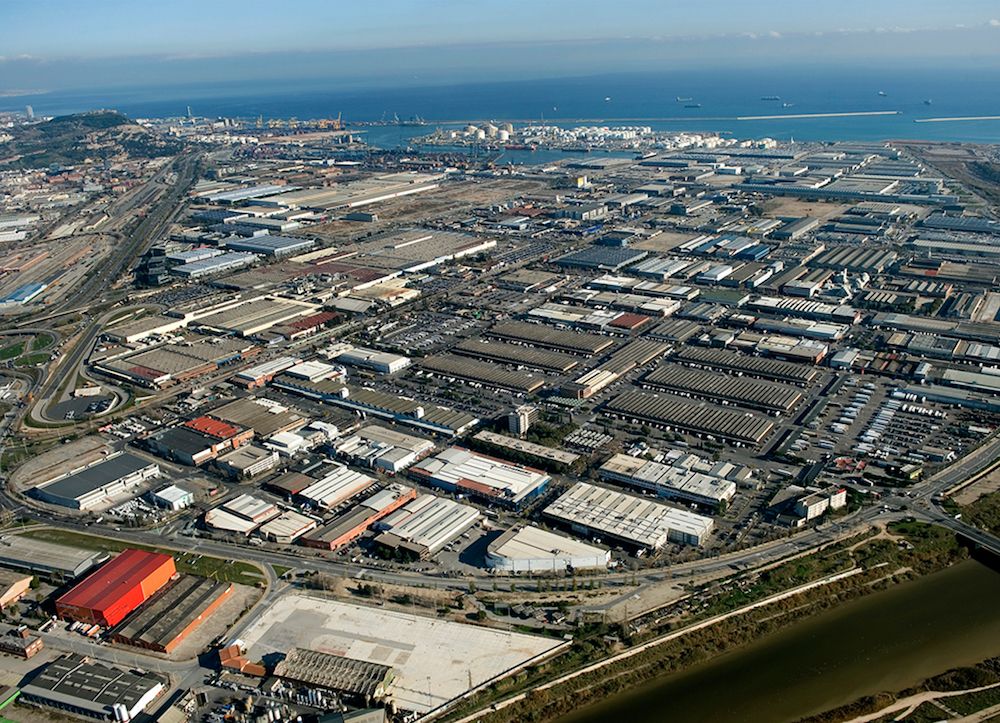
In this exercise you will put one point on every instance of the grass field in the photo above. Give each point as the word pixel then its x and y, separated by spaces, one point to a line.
pixel 33 359
pixel 215 567
pixel 42 341
pixel 12 351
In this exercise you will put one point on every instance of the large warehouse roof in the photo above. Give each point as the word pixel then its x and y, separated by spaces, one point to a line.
pixel 47 558
pixel 635 520
pixel 83 482
pixel 539 335
pixel 694 417
pixel 431 522
pixel 126 571
pixel 467 471
pixel 337 486
pixel 532 548
pixel 78 683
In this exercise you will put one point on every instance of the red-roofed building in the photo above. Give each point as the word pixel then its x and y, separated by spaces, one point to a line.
pixel 629 322
pixel 222 431
pixel 107 596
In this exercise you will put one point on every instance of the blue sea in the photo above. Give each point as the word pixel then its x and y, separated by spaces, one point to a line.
pixel 638 98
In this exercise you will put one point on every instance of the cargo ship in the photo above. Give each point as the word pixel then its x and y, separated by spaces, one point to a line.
pixel 770 97
pixel 520 147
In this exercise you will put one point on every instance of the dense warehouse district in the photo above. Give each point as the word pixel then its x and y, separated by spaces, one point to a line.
pixel 299 427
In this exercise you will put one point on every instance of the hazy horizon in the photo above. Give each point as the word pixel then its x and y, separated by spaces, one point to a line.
pixel 113 44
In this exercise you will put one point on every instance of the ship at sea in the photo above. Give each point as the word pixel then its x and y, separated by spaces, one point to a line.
pixel 682 99
pixel 413 120
pixel 770 97
pixel 693 105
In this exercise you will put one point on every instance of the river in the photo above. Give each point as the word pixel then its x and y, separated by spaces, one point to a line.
pixel 886 641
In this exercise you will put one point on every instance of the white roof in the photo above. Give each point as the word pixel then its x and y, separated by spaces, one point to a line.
pixel 251 508
pixel 172 493
pixel 288 524
pixel 221 519
pixel 339 485
pixel 312 370
pixel 627 517
pixel 268 368
pixel 532 543
pixel 431 521
pixel 457 465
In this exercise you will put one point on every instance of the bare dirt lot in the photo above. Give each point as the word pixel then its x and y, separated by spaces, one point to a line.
pixel 798 207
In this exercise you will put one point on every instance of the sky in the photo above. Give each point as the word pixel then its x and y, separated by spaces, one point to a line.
pixel 80 44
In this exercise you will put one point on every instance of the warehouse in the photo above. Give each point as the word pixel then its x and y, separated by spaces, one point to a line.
pixel 275 246
pixel 263 416
pixel 138 329
pixel 525 280
pixel 185 445
pixel 639 522
pixel 229 261
pixel 177 362
pixel 165 621
pixel 378 361
pixel 676 481
pixel 255 316
pixel 100 483
pixel 13 587
pixel 424 526
pixel 287 527
pixel 672 412
pixel 247 462
pixel 730 361
pixel 485 373
pixel 528 449
pixel 751 393
pixel 361 192
pixel 537 335
pixel 383 449
pixel 107 596
pixel 47 559
pixel 866 259
pixel 498 351
pixel 80 686
pixel 353 523
pixel 172 498
pixel 634 354
pixel 493 480
pixel 388 256
pixel 336 487
pixel 261 374
pixel 605 258
pixel 531 549
pixel 359 679
pixel 313 371
pixel 242 514
pixel 674 330
pixel 403 410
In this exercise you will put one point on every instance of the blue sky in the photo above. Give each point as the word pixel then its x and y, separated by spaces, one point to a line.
pixel 101 43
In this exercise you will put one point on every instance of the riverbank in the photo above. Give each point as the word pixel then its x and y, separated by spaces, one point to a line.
pixel 960 692
pixel 597 671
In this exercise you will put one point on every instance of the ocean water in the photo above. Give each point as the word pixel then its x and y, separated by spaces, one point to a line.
pixel 644 98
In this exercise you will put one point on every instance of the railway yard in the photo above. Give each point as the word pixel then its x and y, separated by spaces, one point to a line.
pixel 474 395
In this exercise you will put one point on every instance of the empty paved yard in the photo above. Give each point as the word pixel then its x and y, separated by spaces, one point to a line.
pixel 435 660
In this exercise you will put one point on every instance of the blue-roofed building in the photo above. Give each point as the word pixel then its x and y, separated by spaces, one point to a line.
pixel 24 294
